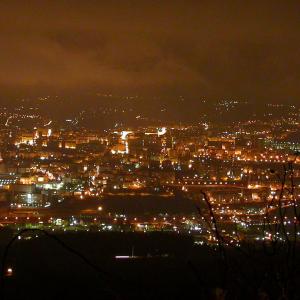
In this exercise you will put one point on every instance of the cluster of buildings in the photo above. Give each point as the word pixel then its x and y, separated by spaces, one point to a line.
pixel 236 166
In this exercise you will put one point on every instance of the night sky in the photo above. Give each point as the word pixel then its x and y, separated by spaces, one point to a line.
pixel 213 49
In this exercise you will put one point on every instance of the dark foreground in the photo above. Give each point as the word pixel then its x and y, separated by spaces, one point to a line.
pixel 164 266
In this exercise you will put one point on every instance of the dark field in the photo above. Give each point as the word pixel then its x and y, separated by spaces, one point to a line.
pixel 167 266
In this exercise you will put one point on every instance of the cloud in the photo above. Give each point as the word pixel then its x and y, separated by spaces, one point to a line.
pixel 205 48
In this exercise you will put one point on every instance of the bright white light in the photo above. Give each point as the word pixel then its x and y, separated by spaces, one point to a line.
pixel 124 134
pixel 161 131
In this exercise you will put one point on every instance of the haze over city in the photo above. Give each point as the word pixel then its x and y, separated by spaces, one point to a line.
pixel 209 49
